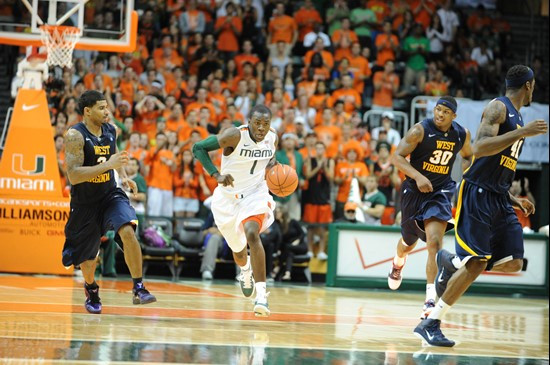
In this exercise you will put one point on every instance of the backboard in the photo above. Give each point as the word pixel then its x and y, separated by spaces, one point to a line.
pixel 105 25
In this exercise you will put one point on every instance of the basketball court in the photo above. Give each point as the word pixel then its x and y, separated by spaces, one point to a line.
pixel 43 321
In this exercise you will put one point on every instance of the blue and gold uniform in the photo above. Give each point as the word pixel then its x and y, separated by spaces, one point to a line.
pixel 490 229
pixel 433 158
pixel 97 205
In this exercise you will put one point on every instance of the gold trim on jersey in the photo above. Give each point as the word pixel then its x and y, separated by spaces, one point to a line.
pixel 460 241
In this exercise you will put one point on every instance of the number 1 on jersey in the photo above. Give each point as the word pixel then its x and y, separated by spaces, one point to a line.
pixel 253 167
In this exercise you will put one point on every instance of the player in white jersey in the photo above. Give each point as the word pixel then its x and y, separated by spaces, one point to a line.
pixel 241 204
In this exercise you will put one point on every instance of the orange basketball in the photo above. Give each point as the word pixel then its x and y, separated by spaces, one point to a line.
pixel 282 180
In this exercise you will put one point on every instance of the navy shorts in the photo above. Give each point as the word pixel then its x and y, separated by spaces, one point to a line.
pixel 89 222
pixel 487 226
pixel 416 207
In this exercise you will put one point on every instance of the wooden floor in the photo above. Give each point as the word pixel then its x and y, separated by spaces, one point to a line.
pixel 43 321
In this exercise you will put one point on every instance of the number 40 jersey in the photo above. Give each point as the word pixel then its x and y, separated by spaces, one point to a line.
pixel 435 155
pixel 496 173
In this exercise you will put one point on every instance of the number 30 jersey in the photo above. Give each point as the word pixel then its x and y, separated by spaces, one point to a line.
pixel 96 150
pixel 496 173
pixel 248 161
pixel 435 155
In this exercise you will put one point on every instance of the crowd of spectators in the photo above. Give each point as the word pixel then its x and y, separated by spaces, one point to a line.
pixel 200 65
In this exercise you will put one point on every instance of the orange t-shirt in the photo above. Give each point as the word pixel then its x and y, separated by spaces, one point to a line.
pixel 384 96
pixel 326 55
pixel 227 39
pixel 147 123
pixel 434 88
pixel 89 81
pixel 127 89
pixel 306 18
pixel 186 186
pixel 359 66
pixel 160 174
pixel 242 58
pixel 282 28
pixel 340 33
pixel 319 101
pixel 138 153
pixel 211 183
pixel 198 106
pixel 386 53
pixel 380 9
pixel 345 170
pixel 351 98
pixel 330 136
pixel 175 125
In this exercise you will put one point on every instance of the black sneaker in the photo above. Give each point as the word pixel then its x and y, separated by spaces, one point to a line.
pixel 445 269
pixel 142 295
pixel 93 301
pixel 429 332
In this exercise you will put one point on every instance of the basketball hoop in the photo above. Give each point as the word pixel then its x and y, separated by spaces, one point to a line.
pixel 60 41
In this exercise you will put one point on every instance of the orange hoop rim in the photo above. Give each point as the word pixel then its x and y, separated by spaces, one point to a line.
pixel 60 28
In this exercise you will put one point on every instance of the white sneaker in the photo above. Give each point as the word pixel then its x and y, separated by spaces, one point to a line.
pixel 261 308
pixel 207 275
pixel 321 256
pixel 246 280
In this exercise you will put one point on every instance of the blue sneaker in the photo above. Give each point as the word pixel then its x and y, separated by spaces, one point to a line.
pixel 445 269
pixel 261 308
pixel 429 332
pixel 93 301
pixel 142 295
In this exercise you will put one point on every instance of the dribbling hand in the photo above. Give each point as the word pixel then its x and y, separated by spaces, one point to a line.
pixel 424 185
pixel 225 180
pixel 118 160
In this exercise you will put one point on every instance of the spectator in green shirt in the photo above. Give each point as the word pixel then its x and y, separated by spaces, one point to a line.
pixel 364 22
pixel 374 202
pixel 335 15
pixel 416 47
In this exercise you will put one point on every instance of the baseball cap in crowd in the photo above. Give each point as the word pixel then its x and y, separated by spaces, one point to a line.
pixel 289 135
pixel 299 120
pixel 388 115
pixel 157 84
pixel 350 206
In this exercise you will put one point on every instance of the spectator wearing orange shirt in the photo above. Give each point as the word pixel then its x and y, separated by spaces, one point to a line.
pixel 319 47
pixel 166 56
pixel 342 39
pixel 423 11
pixel 98 67
pixel 360 68
pixel 147 112
pixel 281 28
pixel 437 86
pixel 478 20
pixel 175 121
pixel 328 133
pixel 344 172
pixel 387 44
pixel 202 101
pixel 386 85
pixel 186 183
pixel 380 9
pixel 306 17
pixel 134 149
pixel 228 29
pixel 128 84
pixel 246 55
pixel 160 166
pixel 192 20
pixel 350 96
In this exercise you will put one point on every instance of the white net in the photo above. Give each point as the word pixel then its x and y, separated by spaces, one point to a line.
pixel 60 42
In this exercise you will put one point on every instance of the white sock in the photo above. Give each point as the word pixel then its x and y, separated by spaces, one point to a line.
pixel 430 292
pixel 399 261
pixel 260 289
pixel 246 266
pixel 440 309
pixel 457 262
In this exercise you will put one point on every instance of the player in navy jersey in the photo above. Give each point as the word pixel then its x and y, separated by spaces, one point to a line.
pixel 488 234
pixel 428 189
pixel 97 204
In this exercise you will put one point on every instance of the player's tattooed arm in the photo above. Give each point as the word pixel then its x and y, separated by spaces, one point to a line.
pixel 487 141
pixel 466 151
pixel 74 157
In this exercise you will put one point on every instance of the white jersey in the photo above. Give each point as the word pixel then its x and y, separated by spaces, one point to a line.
pixel 248 161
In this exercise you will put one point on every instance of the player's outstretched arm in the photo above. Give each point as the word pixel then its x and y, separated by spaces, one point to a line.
pixel 74 156
pixel 466 152
pixel 489 143
pixel 406 146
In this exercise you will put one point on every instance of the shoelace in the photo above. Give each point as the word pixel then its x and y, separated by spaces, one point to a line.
pixel 247 283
